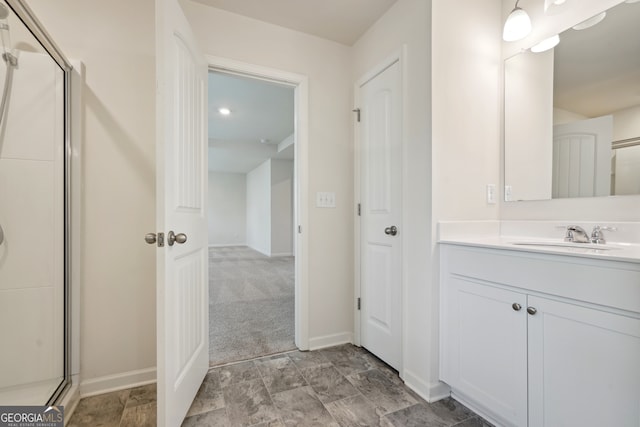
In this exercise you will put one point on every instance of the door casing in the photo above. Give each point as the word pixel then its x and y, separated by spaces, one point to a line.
pixel 301 162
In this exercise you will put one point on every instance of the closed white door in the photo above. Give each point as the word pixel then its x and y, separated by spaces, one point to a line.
pixel 381 215
pixel 582 158
pixel 579 355
pixel 181 188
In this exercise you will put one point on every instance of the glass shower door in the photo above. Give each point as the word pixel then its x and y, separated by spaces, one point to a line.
pixel 32 217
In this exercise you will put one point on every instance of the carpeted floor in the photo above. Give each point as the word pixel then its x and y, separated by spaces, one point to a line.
pixel 251 304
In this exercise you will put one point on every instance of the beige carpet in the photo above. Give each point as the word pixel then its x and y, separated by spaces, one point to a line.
pixel 251 304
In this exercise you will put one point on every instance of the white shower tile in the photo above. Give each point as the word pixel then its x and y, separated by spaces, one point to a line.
pixel 30 351
pixel 32 126
pixel 31 217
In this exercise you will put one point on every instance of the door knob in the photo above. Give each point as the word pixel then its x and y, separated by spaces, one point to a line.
pixel 176 238
pixel 531 310
pixel 516 306
pixel 150 238
pixel 391 231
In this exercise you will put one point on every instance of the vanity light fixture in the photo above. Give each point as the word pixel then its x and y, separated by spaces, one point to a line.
pixel 517 26
pixel 553 7
pixel 224 111
pixel 546 44
pixel 590 22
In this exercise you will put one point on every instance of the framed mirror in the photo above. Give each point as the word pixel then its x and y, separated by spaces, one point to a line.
pixel 572 113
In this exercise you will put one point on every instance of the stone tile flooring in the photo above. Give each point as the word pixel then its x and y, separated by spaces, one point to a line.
pixel 341 386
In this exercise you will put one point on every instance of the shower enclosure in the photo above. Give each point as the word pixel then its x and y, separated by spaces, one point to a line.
pixel 34 211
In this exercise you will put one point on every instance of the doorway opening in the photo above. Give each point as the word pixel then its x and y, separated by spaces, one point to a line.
pixel 252 217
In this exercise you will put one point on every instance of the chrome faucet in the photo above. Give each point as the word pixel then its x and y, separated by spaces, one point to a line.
pixel 596 235
pixel 576 234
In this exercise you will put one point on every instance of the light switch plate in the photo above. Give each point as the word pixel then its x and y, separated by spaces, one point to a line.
pixel 507 193
pixel 491 194
pixel 325 199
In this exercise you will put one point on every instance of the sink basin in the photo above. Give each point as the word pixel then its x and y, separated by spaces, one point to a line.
pixel 589 246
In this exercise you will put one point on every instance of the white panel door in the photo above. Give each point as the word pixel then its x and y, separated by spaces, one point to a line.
pixel 584 366
pixel 181 187
pixel 582 158
pixel 381 204
pixel 485 350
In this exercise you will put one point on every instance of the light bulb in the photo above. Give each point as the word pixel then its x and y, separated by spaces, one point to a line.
pixel 517 26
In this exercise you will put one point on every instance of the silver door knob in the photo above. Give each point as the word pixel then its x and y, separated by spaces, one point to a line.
pixel 150 238
pixel 531 310
pixel 516 306
pixel 176 238
pixel 391 231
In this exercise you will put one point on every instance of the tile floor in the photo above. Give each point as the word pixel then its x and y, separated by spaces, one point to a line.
pixel 339 386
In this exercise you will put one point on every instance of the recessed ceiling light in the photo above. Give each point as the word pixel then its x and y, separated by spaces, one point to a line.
pixel 264 141
pixel 224 111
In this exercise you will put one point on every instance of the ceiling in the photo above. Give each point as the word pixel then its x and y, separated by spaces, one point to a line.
pixel 342 21
pixel 262 117
pixel 597 70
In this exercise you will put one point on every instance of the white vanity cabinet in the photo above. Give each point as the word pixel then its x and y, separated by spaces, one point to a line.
pixel 530 339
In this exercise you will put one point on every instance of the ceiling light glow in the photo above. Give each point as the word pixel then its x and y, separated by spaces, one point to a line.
pixel 590 22
pixel 224 111
pixel 546 44
pixel 554 7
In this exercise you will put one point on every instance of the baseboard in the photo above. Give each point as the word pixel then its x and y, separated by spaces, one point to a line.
pixel 431 392
pixel 316 343
pixel 282 254
pixel 116 382
pixel 230 245
pixel 477 410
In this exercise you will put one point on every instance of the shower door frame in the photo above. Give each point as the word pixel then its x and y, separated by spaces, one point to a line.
pixel 28 18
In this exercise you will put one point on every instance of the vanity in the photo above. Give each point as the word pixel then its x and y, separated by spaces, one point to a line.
pixel 536 332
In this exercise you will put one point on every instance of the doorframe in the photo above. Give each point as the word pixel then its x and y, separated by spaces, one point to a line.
pixel 399 56
pixel 301 168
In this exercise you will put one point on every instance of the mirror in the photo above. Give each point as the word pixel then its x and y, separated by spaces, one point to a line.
pixel 572 113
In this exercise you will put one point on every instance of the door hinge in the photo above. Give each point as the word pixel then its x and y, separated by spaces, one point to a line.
pixel 357 111
pixel 299 229
pixel 358 303
pixel 359 210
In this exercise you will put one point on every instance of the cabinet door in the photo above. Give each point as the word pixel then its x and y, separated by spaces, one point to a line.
pixel 484 356
pixel 584 366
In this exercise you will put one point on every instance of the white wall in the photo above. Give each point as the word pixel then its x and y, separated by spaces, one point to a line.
pixel 575 209
pixel 281 207
pixel 466 105
pixel 259 208
pixel 408 23
pixel 227 209
pixel 626 123
pixel 330 156
pixel 118 197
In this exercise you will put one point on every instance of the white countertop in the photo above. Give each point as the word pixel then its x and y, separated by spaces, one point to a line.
pixel 488 235
pixel 609 252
